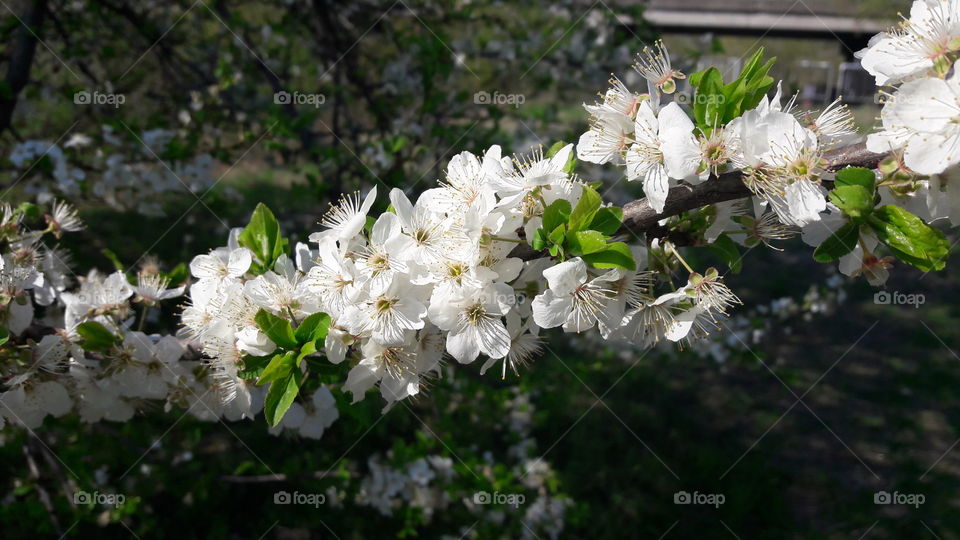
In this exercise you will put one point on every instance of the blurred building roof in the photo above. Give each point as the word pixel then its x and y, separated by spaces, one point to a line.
pixel 847 8
pixel 826 19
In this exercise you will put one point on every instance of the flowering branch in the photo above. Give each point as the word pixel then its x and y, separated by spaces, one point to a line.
pixel 380 301
pixel 640 217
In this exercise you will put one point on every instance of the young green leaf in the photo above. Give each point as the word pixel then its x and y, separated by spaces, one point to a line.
pixel 909 238
pixel 838 244
pixel 368 224
pixel 607 220
pixel 854 200
pixel 615 255
pixel 751 66
pixel 556 235
pixel 695 78
pixel 540 240
pixel 758 84
pixel 585 242
pixel 556 147
pixel 709 94
pixel 262 237
pixel 308 348
pixel 96 337
pixel 714 100
pixel 313 328
pixel 178 274
pixel 280 396
pixel 277 329
pixel 4 336
pixel 586 209
pixel 856 176
pixel 253 366
pixel 29 211
pixel 556 213
pixel 280 366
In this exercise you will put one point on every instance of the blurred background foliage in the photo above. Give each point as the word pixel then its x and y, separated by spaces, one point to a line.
pixel 619 431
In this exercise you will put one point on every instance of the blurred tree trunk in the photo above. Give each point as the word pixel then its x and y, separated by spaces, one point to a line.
pixel 21 57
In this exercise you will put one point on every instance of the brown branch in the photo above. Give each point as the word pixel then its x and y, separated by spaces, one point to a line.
pixel 640 218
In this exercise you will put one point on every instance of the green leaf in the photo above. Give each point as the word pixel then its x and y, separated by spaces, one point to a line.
pixel 4 336
pixel 29 211
pixel 253 366
pixel 708 97
pixel 728 251
pixel 178 274
pixel 308 348
pixel 715 102
pixel 615 255
pixel 734 94
pixel 313 328
pixel 909 238
pixel 838 244
pixel 585 242
pixel 758 85
pixel 752 65
pixel 281 396
pixel 556 236
pixel 277 329
pixel 586 209
pixel 607 220
pixel 557 213
pixel 695 78
pixel 556 147
pixel 280 367
pixel 539 239
pixel 856 176
pixel 262 237
pixel 96 337
pixel 855 200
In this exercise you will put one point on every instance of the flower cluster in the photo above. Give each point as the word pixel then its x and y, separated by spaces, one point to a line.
pixel 126 173
pixel 75 344
pixel 73 350
pixel 919 116
pixel 777 148
pixel 437 276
